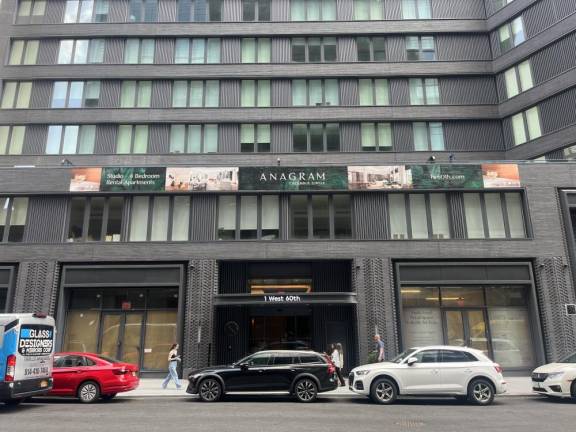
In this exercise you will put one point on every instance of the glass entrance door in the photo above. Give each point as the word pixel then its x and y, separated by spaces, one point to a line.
pixel 121 336
pixel 466 327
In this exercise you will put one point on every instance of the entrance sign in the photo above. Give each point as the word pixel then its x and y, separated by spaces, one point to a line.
pixel 282 298
pixel 330 178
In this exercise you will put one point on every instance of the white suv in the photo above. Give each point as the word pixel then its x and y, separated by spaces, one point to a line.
pixel 465 373
pixel 556 379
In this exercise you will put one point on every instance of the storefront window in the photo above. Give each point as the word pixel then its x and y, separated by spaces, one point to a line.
pixel 462 297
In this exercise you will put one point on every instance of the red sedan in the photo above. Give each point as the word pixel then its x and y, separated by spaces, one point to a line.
pixel 90 377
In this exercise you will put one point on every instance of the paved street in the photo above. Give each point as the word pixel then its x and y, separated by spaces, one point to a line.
pixel 279 414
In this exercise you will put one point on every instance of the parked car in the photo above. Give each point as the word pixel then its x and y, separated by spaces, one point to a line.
pixel 556 379
pixel 303 374
pixel 91 377
pixel 464 373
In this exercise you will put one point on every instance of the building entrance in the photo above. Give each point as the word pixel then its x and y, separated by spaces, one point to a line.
pixel 280 329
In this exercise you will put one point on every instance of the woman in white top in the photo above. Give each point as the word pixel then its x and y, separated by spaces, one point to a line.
pixel 173 359
pixel 337 357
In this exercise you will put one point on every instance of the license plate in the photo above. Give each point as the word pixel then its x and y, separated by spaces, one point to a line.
pixel 43 384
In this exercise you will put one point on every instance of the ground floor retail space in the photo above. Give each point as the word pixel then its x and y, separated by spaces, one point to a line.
pixel 220 311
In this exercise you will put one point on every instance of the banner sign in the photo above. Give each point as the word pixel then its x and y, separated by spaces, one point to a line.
pixel 293 179
pixel 330 178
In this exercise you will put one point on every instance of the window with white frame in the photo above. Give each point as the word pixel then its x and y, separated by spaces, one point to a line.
pixel 526 126
pixel 132 139
pixel 518 79
pixel 428 136
pixel 416 9
pixel 365 10
pixel 316 137
pixel 12 139
pixel 75 94
pixel 197 51
pixel 313 10
pixel 71 139
pixel 511 34
pixel 255 93
pixel 194 138
pixel 420 48
pixel 16 94
pixel 24 52
pixel 371 49
pixel 139 51
pixel 136 94
pixel 255 138
pixel 373 91
pixel 424 91
pixel 255 50
pixel 81 51
pixel 376 136
pixel 86 11
pixel 196 94
pixel 315 92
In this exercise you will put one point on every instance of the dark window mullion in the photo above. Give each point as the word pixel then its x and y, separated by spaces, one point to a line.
pixel 504 209
pixel 308 138
pixel 170 218
pixel 105 213
pixel 237 217
pixel 151 200
pixel 310 217
pixel 428 215
pixel 201 139
pixel 86 220
pixel 332 234
pixel 259 217
pixel 408 215
pixel 8 217
pixel 484 216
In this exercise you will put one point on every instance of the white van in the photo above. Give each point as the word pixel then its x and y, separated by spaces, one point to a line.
pixel 26 356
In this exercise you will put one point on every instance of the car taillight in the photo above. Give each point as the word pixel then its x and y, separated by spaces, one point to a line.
pixel 10 368
pixel 498 368
pixel 331 368
pixel 120 371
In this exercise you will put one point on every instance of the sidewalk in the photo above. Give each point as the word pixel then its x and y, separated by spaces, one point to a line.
pixel 152 387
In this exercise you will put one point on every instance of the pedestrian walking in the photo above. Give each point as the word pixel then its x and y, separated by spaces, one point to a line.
pixel 173 360
pixel 379 347
pixel 337 357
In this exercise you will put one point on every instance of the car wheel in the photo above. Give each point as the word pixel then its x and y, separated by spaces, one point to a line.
pixel 13 402
pixel 210 390
pixel 88 392
pixel 108 397
pixel 384 391
pixel 481 392
pixel 306 390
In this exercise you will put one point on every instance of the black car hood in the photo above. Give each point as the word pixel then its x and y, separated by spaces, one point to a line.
pixel 212 369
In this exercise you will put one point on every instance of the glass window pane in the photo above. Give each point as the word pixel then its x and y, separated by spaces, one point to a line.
pixel 368 136
pixel 515 214
pixel 313 10
pixel 416 91
pixel 96 51
pixel 418 218
pixel 264 50
pixel 263 93
pixel 114 225
pixel 144 94
pixel 24 93
pixel 59 94
pixel 139 218
pixel 16 52
pixel 91 94
pixel 212 94
pixel 65 52
pixel 363 49
pixel 248 93
pixel 329 49
pixel 86 139
pixel 473 213
pixel 18 219
pixel 332 137
pixel 316 137
pixel 102 8
pixel 533 120
pixel 420 132
pixel 96 218
pixel 128 94
pixel 182 51
pixel 24 9
pixel 462 297
pixel 299 92
pixel 226 217
pixel 53 141
pixel 297 10
pixel 397 210
pixel 31 52
pixel 299 50
pixel 147 53
pixel 181 218
pixel 196 94
pixel 321 220
pixel 409 9
pixel 342 217
pixel 365 90
pixel 511 336
pixel 9 94
pixel 177 138
pixel 140 139
pixel 332 92
pixel 124 140
pixel 213 55
pixel 299 216
pixel 361 10
pixel 160 212
pixel 381 92
pixel 300 137
pixel 248 50
pixel 76 92
pixel 210 138
pixel 439 216
pixel 194 139
pixel 432 91
pixel 427 42
pixel 436 136
pixel 511 82
pixel 4 134
pixel 180 94
pixel 86 11
pixel 76 221
pixel 384 136
pixel 525 73
pixel 161 325
pixel 81 51
pixel 248 217
pixel 518 129
pixel 494 215
pixel 17 140
pixel 379 48
pixel 131 51
pixel 70 139
pixel 314 50
pixel 270 217
pixel 198 51
pixel 71 11
pixel 518 31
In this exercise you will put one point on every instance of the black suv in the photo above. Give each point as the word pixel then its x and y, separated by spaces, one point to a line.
pixel 303 374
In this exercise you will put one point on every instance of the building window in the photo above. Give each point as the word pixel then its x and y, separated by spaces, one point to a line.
pixel 16 94
pixel 418 216
pixel 136 94
pixel 499 4
pixel 318 216
pixel 428 136
pixel 314 50
pixel 518 79
pixel 75 94
pixel 143 11
pixel 86 11
pixel 316 137
pixel 30 9
pixel 248 217
pixel 13 217
pixel 81 51
pixel 420 48
pixel 159 218
pixel 494 215
pixel 376 136
pixel 365 10
pixel 95 219
pixel 255 50
pixel 526 126
pixel 255 93
pixel 199 10
pixel 371 49
pixel 511 34
pixel 196 94
pixel 139 51
pixel 197 51
pixel 255 138
pixel 424 91
pixel 313 10
pixel 256 10
pixel 24 52
pixel 316 92
pixel 71 139
pixel 12 139
pixel 373 92
pixel 194 138
pixel 416 9
pixel 132 139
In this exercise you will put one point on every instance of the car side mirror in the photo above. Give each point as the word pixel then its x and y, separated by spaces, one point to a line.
pixel 243 366
pixel 411 361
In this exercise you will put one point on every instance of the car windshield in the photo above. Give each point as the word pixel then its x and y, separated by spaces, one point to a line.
pixel 403 355
pixel 570 359
pixel 108 359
